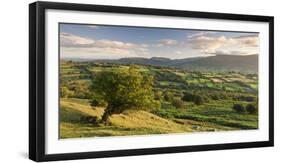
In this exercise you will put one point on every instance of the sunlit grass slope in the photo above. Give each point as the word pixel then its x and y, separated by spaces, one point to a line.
pixel 128 123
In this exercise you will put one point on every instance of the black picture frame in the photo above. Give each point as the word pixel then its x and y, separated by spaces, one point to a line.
pixel 37 87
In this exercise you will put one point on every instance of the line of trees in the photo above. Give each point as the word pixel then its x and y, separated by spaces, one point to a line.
pixel 249 108
pixel 194 97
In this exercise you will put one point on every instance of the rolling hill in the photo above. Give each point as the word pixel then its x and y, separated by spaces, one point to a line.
pixel 248 63
pixel 130 122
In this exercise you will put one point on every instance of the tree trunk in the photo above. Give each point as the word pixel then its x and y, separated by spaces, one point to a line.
pixel 106 114
pixel 105 117
pixel 109 110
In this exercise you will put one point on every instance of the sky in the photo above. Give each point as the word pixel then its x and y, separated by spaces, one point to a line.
pixel 114 42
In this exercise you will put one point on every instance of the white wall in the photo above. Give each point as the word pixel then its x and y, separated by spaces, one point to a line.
pixel 14 79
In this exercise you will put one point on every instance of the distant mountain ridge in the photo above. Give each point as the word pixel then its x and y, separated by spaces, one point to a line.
pixel 247 63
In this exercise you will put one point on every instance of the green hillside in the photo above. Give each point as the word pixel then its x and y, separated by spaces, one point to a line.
pixel 223 63
pixel 191 101
pixel 127 123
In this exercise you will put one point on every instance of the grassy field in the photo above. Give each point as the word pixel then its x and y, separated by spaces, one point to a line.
pixel 220 90
pixel 130 122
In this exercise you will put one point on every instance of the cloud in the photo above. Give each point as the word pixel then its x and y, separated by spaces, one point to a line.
pixel 168 42
pixel 95 53
pixel 113 44
pixel 144 45
pixel 201 33
pixel 70 40
pixel 208 44
pixel 248 40
pixel 76 45
pixel 165 42
pixel 213 44
pixel 178 52
pixel 232 52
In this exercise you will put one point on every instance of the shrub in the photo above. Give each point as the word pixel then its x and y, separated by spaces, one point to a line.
pixel 239 108
pixel 65 92
pixel 205 98
pixel 89 119
pixel 188 97
pixel 178 103
pixel 215 97
pixel 158 95
pixel 168 96
pixel 244 98
pixel 252 109
pixel 198 100
pixel 79 89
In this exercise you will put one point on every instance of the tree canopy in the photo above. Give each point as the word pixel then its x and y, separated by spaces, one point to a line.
pixel 123 89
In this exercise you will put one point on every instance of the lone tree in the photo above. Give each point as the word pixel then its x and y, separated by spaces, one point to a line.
pixel 168 96
pixel 199 100
pixel 178 103
pixel 239 108
pixel 251 108
pixel 124 89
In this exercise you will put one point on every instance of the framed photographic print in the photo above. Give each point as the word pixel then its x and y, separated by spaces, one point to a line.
pixel 118 81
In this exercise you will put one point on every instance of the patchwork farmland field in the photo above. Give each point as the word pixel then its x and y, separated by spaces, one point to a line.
pixel 187 101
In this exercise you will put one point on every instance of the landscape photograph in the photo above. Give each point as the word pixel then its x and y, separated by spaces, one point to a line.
pixel 130 81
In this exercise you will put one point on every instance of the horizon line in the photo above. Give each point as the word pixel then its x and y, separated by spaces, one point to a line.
pixel 67 58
